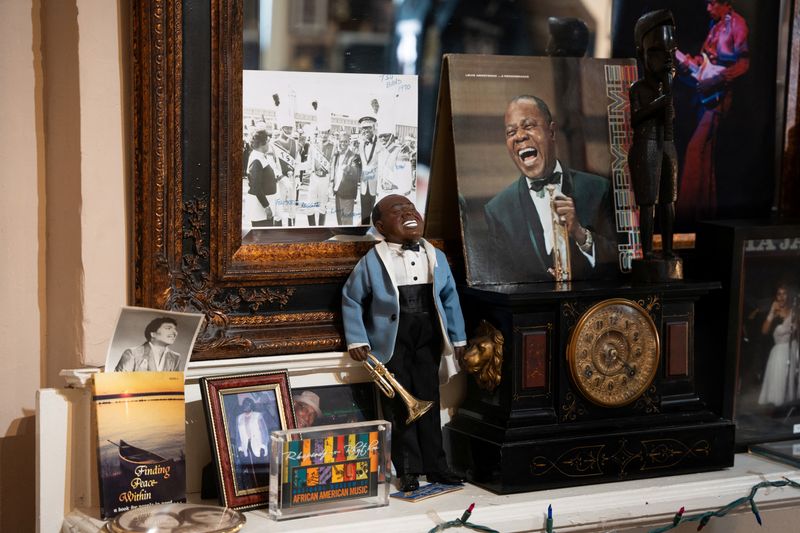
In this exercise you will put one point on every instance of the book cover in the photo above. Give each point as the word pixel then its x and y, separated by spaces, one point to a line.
pixel 141 439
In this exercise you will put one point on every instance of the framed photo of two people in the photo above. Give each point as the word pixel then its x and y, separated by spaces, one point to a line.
pixel 539 146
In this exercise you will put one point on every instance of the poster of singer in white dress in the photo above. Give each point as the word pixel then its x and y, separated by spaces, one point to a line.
pixel 321 149
pixel 768 376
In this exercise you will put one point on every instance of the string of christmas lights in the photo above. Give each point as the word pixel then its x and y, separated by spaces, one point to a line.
pixel 679 518
pixel 463 522
pixel 705 517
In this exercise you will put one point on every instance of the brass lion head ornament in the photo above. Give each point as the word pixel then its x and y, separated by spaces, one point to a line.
pixel 484 356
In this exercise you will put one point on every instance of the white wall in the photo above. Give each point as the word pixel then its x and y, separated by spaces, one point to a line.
pixel 21 209
pixel 63 186
pixel 22 251
pixel 103 170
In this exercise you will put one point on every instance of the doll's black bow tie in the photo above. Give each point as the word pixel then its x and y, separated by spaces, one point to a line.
pixel 414 247
pixel 538 184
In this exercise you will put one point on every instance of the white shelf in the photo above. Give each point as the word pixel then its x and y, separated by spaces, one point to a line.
pixel 67 482
pixel 605 507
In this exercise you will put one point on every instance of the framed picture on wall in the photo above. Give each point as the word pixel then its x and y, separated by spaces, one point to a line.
pixel 315 163
pixel 242 410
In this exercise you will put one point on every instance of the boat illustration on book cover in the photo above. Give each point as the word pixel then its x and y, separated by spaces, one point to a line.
pixel 141 439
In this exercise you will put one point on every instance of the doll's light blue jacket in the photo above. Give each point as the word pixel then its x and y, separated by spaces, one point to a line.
pixel 371 305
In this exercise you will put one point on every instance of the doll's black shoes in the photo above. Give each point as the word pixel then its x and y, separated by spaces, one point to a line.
pixel 408 482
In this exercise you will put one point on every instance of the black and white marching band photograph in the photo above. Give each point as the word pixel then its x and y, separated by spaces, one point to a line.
pixel 321 149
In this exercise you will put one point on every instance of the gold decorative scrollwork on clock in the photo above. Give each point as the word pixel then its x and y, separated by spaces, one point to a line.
pixel 613 352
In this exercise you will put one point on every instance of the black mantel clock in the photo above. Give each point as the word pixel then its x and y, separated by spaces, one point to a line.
pixel 600 382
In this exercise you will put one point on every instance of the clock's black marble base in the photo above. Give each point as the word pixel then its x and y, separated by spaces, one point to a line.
pixel 536 430
pixel 492 459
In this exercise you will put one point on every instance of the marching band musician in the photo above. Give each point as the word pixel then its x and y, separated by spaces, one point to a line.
pixel 346 178
pixel 368 148
pixel 410 151
pixel 319 186
pixel 287 152
pixel 262 188
pixel 393 176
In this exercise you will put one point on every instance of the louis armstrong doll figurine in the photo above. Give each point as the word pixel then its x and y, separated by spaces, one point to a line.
pixel 400 303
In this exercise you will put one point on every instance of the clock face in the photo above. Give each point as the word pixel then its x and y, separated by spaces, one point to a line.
pixel 613 352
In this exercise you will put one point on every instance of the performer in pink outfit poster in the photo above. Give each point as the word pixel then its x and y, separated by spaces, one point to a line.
pixel 723 58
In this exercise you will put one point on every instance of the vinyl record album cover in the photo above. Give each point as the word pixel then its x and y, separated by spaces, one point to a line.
pixel 524 138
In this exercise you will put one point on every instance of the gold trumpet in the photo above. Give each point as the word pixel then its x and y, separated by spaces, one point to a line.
pixel 561 259
pixel 388 385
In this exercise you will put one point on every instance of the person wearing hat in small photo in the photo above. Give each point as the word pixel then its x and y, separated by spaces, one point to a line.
pixel 367 151
pixel 302 172
pixel 306 409
pixel 410 146
pixel 287 152
pixel 346 178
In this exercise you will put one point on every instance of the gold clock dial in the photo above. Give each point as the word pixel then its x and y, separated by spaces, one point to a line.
pixel 613 352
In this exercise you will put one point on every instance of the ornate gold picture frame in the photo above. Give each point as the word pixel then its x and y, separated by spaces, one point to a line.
pixel 188 255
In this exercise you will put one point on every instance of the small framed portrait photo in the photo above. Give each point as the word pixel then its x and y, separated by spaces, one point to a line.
pixel 335 404
pixel 242 410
